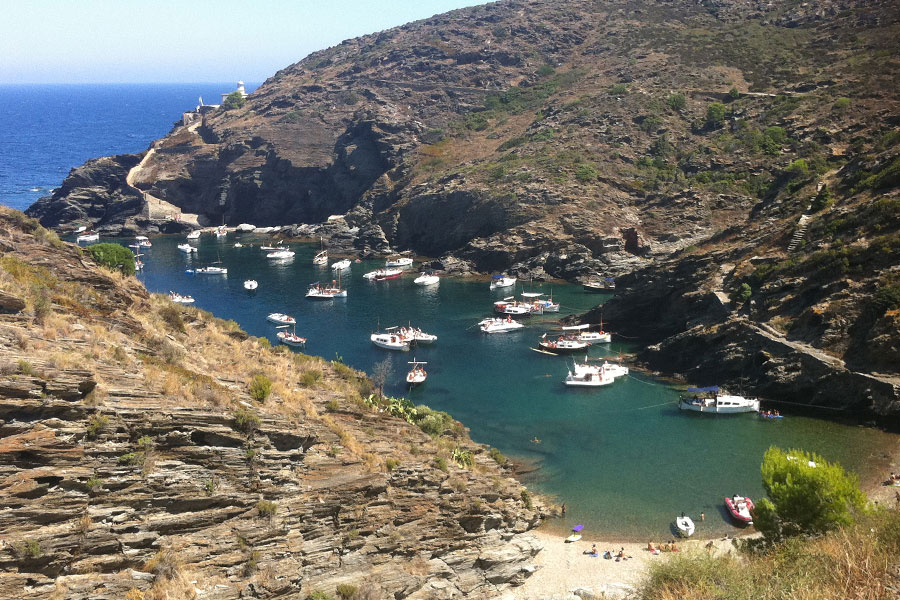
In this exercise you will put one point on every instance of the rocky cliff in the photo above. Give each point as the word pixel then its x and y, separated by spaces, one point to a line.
pixel 549 138
pixel 149 450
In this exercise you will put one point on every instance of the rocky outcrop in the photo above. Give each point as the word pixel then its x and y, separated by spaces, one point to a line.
pixel 136 458
pixel 509 135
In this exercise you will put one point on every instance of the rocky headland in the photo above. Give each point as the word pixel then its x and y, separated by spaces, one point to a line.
pixel 149 450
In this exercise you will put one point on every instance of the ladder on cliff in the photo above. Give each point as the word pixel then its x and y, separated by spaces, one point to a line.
pixel 800 233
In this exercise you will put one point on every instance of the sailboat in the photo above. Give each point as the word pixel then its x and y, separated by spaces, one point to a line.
pixel 326 292
pixel 322 257
pixel 416 374
pixel 290 338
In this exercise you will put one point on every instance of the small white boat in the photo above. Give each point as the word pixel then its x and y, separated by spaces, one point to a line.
pixel 194 235
pixel 502 281
pixel 416 374
pixel 499 325
pixel 614 369
pixel 209 271
pixel 427 278
pixel 595 337
pixel 511 307
pixel 281 254
pixel 416 335
pixel 399 261
pixel 562 345
pixel 587 375
pixel 290 337
pixel 321 258
pixel 80 229
pixel 540 304
pixel 325 292
pixel 272 248
pixel 685 525
pixel 250 284
pixel 142 240
pixel 384 274
pixel 186 248
pixel 176 297
pixel 390 341
pixel 281 319
pixel 238 245
pixel 709 400
pixel 88 236
pixel 341 265
pixel 221 231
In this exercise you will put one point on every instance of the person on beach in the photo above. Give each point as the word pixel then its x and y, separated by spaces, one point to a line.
pixel 702 516
pixel 564 508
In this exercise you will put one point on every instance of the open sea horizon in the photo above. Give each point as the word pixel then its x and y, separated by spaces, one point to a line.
pixel 623 458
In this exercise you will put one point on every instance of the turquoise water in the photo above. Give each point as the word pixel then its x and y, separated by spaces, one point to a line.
pixel 623 458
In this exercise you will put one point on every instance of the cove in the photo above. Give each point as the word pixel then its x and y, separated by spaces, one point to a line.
pixel 623 458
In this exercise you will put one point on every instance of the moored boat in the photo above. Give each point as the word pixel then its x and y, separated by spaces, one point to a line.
pixel 176 297
pixel 281 319
pixel 251 284
pixel 87 236
pixel 194 235
pixel 211 270
pixel 497 325
pixel 281 254
pixel 390 341
pixel 417 336
pixel 417 373
pixel 221 231
pixel 740 508
pixel 709 400
pixel 587 375
pixel 502 281
pixel 325 292
pixel 186 248
pixel 398 261
pixel 383 274
pixel 685 525
pixel 605 284
pixel 514 308
pixel 427 278
pixel 321 258
pixel 341 265
pixel 290 338
pixel 562 345
pixel 595 337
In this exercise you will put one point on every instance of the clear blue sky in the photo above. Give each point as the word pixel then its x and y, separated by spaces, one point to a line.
pixel 107 41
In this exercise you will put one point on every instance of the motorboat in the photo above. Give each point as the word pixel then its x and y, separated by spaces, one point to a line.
pixel 186 248
pixel 211 270
pixel 142 240
pixel 399 261
pixel 341 265
pixel 513 308
pixel 416 374
pixel 176 297
pixel 238 245
pixel 290 338
pixel 710 400
pixel 250 284
pixel 281 319
pixel 417 336
pixel 595 337
pixel 88 236
pixel 194 235
pixel 614 369
pixel 685 525
pixel 562 345
pixel 383 274
pixel 604 284
pixel 321 258
pixel 587 375
pixel 502 281
pixel 499 325
pixel 740 508
pixel 545 304
pixel 273 248
pixel 390 341
pixel 81 228
pixel 427 278
pixel 325 292
pixel 281 254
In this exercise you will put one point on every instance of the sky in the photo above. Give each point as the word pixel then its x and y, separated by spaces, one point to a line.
pixel 174 41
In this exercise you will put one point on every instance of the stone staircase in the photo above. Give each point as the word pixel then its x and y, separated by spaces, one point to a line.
pixel 800 233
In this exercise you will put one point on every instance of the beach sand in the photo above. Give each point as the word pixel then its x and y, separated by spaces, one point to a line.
pixel 563 567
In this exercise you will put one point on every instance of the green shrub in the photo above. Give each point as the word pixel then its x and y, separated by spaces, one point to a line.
pixel 887 296
pixel 677 102
pixel 512 143
pixel 526 499
pixel 715 114
pixel 546 71
pixel 260 387
pixel 233 100
pixel 266 508
pixel 441 463
pixel 841 104
pixel 172 317
pixel 618 89
pixel 497 456
pixel 586 172
pixel 113 256
pixel 807 495
pixel 332 405
pixel 246 421
pixel 433 422
pixel 463 458
pixel 310 378
pixel 391 464
pixel 798 168
pixel 30 549
pixel 743 293
pixel 317 595
pixel 96 424
pixel 733 94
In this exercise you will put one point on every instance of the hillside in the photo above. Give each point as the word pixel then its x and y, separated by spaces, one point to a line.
pixel 144 456
pixel 548 138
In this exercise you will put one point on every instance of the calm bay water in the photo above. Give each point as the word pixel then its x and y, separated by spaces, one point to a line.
pixel 623 458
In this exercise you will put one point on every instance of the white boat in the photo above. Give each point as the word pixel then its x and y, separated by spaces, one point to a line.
pixel 88 236
pixel 514 308
pixel 416 335
pixel 186 248
pixel 142 240
pixel 272 248
pixel 587 375
pixel 614 369
pixel 238 245
pixel 399 261
pixel 290 337
pixel 221 231
pixel 383 274
pixel 281 319
pixel 685 525
pixel 562 345
pixel 499 325
pixel 194 235
pixel 595 337
pixel 390 341
pixel 541 304
pixel 281 254
pixel 427 278
pixel 80 229
pixel 250 284
pixel 321 258
pixel 416 374
pixel 326 292
pixel 341 265
pixel 176 297
pixel 710 400
pixel 209 271
pixel 502 281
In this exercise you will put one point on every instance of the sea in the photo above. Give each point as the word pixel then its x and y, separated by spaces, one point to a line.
pixel 623 458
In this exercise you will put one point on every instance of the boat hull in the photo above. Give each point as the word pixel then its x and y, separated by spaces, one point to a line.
pixel 685 526
pixel 740 511
pixel 390 342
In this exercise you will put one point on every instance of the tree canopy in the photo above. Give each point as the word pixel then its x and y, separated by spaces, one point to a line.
pixel 113 256
pixel 807 495
pixel 233 100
